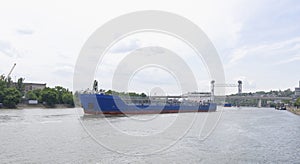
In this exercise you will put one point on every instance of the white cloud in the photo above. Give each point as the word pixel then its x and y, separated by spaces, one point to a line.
pixel 7 49
pixel 25 31
pixel 294 58
pixel 56 31
pixel 126 46
pixel 282 49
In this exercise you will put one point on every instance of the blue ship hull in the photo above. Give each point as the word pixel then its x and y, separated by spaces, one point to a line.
pixel 108 104
pixel 227 105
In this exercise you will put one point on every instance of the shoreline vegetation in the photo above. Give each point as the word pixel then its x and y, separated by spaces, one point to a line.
pixel 37 106
pixel 41 106
pixel 14 96
pixel 294 110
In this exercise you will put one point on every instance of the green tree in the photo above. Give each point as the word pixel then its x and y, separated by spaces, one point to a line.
pixel 30 95
pixel 286 102
pixel 288 93
pixel 60 91
pixel 2 87
pixel 109 92
pixel 49 96
pixel 8 82
pixel 38 92
pixel 1 96
pixel 11 97
pixel 133 94
pixel 67 98
pixel 143 95
pixel 297 103
pixel 20 86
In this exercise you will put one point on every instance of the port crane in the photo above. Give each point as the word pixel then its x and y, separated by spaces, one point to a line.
pixel 13 67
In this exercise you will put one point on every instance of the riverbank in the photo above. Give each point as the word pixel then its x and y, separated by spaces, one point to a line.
pixel 40 106
pixel 294 110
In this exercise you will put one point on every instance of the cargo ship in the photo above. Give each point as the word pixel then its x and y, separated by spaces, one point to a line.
pixel 101 103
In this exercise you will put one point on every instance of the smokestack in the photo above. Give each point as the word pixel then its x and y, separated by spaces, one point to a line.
pixel 299 84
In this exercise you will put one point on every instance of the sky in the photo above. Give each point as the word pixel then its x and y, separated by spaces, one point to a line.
pixel 258 41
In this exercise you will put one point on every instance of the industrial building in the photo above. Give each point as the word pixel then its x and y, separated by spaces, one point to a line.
pixel 33 86
pixel 297 91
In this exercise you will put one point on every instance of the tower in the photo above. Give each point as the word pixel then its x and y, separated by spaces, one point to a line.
pixel 240 87
pixel 212 87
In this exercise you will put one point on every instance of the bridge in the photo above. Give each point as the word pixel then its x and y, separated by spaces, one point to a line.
pixel 258 97
pixel 240 96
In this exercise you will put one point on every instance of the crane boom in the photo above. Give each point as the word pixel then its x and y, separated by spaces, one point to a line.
pixel 11 70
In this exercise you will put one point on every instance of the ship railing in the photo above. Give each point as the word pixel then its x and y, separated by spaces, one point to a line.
pixel 162 101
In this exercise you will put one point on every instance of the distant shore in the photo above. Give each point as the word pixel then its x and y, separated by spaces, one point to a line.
pixel 294 110
pixel 39 106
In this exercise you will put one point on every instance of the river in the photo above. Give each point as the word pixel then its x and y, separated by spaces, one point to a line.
pixel 241 135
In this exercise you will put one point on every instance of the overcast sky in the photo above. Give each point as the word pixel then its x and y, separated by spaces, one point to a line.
pixel 258 41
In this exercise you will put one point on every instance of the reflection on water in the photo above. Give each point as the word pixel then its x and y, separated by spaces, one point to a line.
pixel 100 116
pixel 246 135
